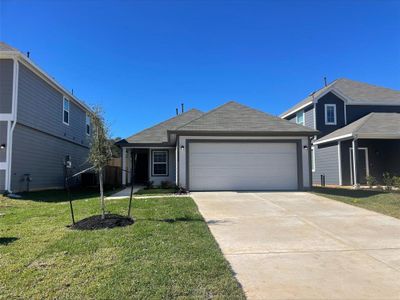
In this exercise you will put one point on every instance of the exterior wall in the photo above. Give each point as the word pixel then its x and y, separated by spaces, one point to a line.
pixel 2 180
pixel 40 106
pixel 6 85
pixel 383 156
pixel 355 112
pixel 182 154
pixel 329 98
pixel 42 156
pixel 171 168
pixel 308 117
pixel 326 163
pixel 3 140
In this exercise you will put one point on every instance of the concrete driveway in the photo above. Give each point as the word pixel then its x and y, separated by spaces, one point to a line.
pixel 295 245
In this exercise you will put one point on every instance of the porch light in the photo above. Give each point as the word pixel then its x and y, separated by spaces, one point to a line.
pixel 305 147
pixel 182 147
pixel 3 146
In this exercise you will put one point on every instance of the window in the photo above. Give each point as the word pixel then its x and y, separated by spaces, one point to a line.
pixel 160 163
pixel 87 124
pixel 300 117
pixel 66 111
pixel 330 114
pixel 313 158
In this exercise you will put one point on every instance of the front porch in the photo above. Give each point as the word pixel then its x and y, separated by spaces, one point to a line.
pixel 374 157
pixel 140 165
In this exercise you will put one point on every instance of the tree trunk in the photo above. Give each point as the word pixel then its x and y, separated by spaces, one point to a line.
pixel 103 205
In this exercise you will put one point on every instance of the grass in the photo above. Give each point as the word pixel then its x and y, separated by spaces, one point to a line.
pixel 155 191
pixel 168 252
pixel 387 203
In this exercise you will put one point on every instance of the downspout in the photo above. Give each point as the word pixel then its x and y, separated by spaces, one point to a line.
pixel 14 113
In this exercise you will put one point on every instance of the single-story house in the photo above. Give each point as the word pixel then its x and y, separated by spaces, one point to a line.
pixel 232 147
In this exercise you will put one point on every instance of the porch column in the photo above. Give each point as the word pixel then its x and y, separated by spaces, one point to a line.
pixel 123 165
pixel 355 162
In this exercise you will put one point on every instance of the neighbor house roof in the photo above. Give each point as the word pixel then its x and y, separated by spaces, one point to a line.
pixel 8 52
pixel 158 133
pixel 353 92
pixel 233 117
pixel 374 125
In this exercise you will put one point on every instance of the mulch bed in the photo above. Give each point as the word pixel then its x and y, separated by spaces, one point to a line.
pixel 96 222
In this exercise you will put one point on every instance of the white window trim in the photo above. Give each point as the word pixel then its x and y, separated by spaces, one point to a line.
pixel 303 115
pixel 63 110
pixel 312 158
pixel 334 114
pixel 87 122
pixel 159 163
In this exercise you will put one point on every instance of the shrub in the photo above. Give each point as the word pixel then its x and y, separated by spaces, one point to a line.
pixel 387 180
pixel 396 181
pixel 371 180
pixel 149 184
pixel 165 184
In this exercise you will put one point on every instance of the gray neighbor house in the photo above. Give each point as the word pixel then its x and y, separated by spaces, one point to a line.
pixel 42 126
pixel 359 131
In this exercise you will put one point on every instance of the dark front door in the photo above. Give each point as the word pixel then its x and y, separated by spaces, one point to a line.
pixel 141 166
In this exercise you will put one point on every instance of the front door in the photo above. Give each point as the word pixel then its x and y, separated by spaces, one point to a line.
pixel 141 167
pixel 363 170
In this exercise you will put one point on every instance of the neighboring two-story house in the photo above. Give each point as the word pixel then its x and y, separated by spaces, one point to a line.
pixel 359 131
pixel 42 126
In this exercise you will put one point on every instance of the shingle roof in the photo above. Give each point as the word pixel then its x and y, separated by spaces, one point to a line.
pixel 372 125
pixel 5 47
pixel 356 92
pixel 158 133
pixel 235 117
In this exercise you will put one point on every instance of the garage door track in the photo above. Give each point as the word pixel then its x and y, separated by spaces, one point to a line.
pixel 296 245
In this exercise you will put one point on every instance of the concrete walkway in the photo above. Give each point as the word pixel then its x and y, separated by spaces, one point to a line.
pixel 125 193
pixel 297 245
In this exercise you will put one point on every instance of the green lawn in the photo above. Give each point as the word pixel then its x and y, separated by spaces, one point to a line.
pixel 155 191
pixel 168 253
pixel 387 203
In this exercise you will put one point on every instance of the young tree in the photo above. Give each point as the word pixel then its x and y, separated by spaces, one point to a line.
pixel 100 150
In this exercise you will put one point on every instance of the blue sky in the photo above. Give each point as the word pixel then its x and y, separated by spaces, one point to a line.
pixel 141 59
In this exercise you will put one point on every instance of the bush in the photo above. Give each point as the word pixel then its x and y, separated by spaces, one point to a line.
pixel 165 184
pixel 371 180
pixel 396 181
pixel 149 184
pixel 387 180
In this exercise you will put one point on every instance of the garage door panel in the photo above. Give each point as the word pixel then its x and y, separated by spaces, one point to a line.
pixel 242 166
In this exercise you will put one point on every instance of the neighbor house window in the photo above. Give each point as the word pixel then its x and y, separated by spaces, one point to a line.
pixel 87 124
pixel 300 117
pixel 330 114
pixel 160 163
pixel 313 158
pixel 66 111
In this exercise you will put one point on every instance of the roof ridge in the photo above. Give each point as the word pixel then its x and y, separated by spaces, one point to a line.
pixel 363 119
pixel 163 122
pixel 207 113
pixel 371 84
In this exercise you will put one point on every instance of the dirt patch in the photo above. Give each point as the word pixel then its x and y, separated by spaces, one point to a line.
pixel 96 222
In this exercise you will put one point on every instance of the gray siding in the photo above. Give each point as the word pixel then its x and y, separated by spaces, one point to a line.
pixel 3 140
pixel 42 156
pixel 309 117
pixel 2 180
pixel 326 163
pixel 355 112
pixel 40 106
pixel 6 85
pixel 320 109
